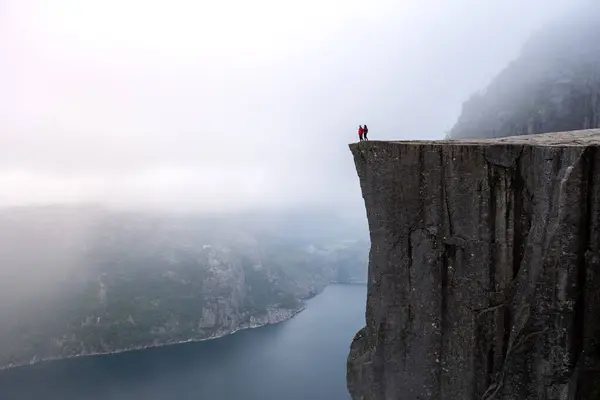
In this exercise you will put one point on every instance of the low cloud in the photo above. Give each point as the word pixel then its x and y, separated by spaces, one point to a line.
pixel 228 105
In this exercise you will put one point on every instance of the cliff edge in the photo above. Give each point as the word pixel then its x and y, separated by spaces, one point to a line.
pixel 484 269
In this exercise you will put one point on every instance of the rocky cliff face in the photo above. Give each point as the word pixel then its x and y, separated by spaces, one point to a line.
pixel 554 85
pixel 484 274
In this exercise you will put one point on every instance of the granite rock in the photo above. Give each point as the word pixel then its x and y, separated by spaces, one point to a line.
pixel 484 269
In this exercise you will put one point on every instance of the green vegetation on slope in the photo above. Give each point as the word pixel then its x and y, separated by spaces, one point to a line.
pixel 82 281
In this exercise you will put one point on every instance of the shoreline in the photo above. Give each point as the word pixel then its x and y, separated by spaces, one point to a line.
pixel 242 327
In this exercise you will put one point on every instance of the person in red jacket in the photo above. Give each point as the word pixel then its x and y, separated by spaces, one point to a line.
pixel 360 132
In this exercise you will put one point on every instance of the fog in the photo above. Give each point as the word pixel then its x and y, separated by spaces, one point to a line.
pixel 228 105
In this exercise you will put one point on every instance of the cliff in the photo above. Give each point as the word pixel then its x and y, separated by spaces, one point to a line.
pixel 484 270
pixel 554 84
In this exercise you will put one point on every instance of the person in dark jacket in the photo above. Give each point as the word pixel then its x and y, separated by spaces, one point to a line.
pixel 360 132
pixel 365 131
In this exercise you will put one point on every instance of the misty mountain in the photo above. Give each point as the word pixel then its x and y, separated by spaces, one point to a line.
pixel 85 280
pixel 554 85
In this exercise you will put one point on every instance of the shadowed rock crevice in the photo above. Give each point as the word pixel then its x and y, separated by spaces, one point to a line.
pixel 484 275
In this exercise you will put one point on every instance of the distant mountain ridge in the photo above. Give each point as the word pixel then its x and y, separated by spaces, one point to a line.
pixel 554 85
pixel 85 280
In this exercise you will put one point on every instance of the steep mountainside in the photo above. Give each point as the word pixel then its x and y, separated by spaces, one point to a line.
pixel 83 280
pixel 484 270
pixel 553 86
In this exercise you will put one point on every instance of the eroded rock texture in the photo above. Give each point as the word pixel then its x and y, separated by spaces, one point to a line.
pixel 484 275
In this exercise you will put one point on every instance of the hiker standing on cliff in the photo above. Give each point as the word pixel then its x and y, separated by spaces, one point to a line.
pixel 360 132
pixel 365 131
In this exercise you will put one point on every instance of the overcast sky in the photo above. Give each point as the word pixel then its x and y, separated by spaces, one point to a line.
pixel 232 103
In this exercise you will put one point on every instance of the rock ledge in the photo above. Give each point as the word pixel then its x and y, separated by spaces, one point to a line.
pixel 484 271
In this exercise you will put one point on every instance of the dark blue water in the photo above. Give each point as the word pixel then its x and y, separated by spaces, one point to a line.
pixel 301 359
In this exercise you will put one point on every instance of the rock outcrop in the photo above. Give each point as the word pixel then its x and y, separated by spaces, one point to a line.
pixel 484 274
